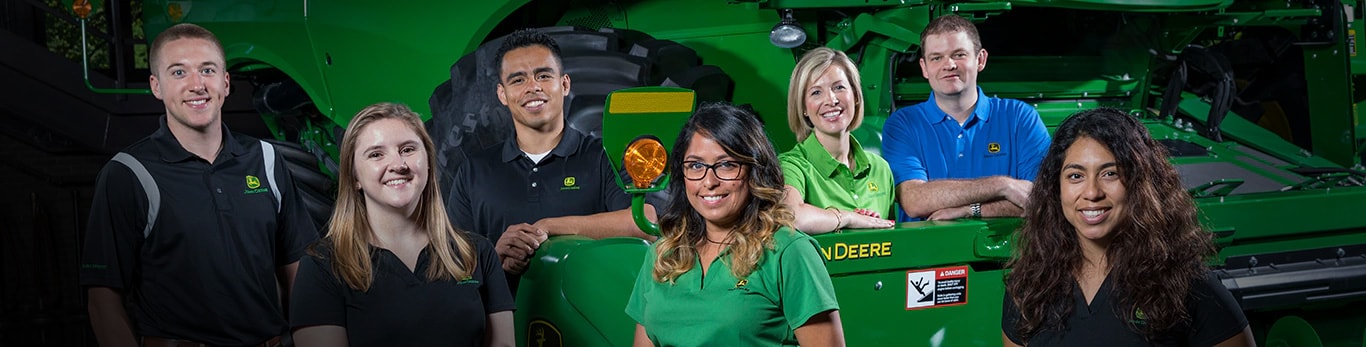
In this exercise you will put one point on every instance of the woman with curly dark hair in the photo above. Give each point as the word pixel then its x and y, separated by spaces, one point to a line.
pixel 727 245
pixel 1111 251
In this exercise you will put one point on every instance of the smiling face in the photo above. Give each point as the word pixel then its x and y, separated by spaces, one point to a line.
pixel 951 63
pixel 189 79
pixel 720 202
pixel 391 165
pixel 1092 191
pixel 829 102
pixel 533 87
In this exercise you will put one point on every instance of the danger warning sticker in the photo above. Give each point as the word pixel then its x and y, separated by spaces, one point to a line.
pixel 930 288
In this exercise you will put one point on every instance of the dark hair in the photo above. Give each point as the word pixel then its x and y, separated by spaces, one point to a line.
pixel 1153 255
pixel 742 136
pixel 948 24
pixel 526 38
pixel 176 32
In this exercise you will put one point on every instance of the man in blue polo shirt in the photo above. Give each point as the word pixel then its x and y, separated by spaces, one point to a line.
pixel 961 153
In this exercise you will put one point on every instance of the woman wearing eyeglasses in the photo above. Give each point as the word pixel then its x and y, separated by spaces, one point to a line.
pixel 729 270
pixel 832 183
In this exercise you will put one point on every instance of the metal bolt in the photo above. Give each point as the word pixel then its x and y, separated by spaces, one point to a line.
pixel 1342 253
pixel 1252 261
pixel 877 286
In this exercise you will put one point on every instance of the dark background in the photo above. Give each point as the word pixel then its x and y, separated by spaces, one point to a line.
pixel 55 135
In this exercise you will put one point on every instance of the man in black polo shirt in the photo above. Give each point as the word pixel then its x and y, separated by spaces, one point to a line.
pixel 191 235
pixel 546 180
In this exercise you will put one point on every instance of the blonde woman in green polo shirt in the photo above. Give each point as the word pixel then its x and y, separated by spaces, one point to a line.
pixel 831 182
pixel 729 270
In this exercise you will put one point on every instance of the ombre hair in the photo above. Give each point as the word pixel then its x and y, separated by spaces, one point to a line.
pixel 809 68
pixel 742 137
pixel 348 231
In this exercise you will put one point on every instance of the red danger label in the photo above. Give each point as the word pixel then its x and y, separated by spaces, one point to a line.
pixel 930 288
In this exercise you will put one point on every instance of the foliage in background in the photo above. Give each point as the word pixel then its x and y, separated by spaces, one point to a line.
pixel 63 35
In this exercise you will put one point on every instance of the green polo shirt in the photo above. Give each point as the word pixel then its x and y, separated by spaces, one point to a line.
pixel 789 286
pixel 824 182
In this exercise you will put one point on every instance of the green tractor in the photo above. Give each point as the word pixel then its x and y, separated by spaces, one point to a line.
pixel 1254 99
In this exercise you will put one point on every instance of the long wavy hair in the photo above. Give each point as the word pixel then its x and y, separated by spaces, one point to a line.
pixel 1153 256
pixel 742 136
pixel 348 231
pixel 808 69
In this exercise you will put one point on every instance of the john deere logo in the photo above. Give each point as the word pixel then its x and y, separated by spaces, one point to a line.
pixel 543 334
pixel 741 283
pixel 254 186
pixel 993 147
pixel 872 187
pixel 569 184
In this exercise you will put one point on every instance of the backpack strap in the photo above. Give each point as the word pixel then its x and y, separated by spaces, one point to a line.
pixel 148 185
pixel 268 155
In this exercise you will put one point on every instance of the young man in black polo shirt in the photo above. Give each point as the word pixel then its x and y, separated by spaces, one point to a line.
pixel 548 179
pixel 228 229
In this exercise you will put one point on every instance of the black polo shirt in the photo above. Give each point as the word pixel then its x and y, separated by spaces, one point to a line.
pixel 1215 317
pixel 206 272
pixel 402 307
pixel 500 186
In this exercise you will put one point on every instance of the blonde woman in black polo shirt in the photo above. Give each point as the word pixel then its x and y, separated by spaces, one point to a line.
pixel 1111 252
pixel 392 270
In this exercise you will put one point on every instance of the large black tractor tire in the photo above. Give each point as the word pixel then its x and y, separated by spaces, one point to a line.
pixel 317 191
pixel 467 116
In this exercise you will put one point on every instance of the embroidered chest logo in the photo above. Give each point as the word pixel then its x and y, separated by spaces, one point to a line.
pixel 741 283
pixel 993 147
pixel 569 184
pixel 467 280
pixel 1139 317
pixel 872 187
pixel 254 186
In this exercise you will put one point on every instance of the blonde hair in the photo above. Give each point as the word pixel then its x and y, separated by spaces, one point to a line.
pixel 348 232
pixel 811 66
pixel 742 137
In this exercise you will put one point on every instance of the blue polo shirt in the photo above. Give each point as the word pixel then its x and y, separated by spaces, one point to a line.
pixel 1002 137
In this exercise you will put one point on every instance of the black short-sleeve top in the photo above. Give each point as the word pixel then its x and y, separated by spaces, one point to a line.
pixel 402 307
pixel 1215 317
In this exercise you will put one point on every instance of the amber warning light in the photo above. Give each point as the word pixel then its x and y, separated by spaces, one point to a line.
pixel 645 160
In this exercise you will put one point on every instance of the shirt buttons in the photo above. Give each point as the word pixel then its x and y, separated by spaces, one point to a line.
pixel 535 169
pixel 219 190
pixel 960 136
pixel 533 184
pixel 960 155
pixel 856 196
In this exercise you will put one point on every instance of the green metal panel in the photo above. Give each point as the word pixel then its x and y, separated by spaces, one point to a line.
pixel 578 289
pixel 1330 100
pixel 385 56
pixel 870 270
pixel 735 38
pixel 254 33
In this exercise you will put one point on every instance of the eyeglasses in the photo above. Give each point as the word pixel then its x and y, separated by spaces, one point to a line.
pixel 725 170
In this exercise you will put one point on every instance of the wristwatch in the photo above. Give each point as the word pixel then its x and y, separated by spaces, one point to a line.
pixel 976 209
